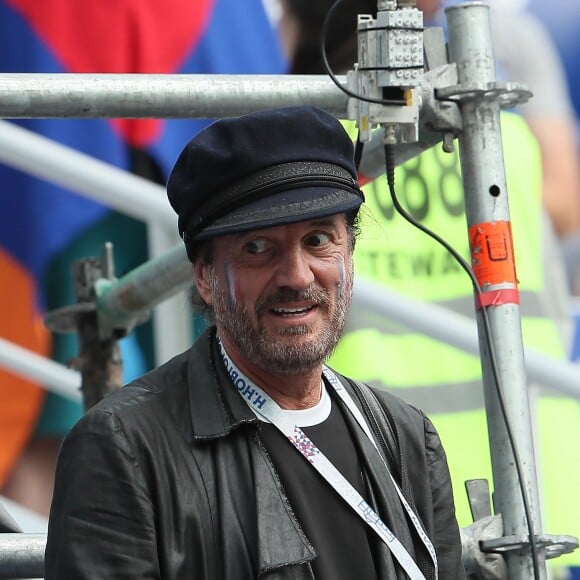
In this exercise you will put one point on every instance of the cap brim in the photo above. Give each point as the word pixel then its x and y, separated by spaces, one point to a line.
pixel 286 207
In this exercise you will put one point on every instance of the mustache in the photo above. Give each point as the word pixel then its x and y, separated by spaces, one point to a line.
pixel 285 295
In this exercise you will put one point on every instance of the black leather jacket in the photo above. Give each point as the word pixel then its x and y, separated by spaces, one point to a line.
pixel 168 479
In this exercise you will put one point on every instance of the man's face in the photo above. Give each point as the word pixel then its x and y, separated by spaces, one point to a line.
pixel 281 295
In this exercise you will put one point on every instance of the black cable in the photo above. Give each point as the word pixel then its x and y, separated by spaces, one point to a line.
pixel 329 71
pixel 358 151
pixel 390 172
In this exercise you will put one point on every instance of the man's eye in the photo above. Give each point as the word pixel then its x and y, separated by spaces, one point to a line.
pixel 256 246
pixel 318 239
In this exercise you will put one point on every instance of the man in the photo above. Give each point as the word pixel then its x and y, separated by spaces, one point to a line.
pixel 245 457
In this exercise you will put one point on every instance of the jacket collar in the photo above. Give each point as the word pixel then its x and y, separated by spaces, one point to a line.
pixel 216 410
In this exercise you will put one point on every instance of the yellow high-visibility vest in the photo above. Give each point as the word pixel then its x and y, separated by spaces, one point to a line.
pixel 443 381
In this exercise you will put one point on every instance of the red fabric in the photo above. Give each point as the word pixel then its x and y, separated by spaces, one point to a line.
pixel 119 36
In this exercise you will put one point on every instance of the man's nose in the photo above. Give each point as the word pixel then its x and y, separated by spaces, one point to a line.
pixel 294 271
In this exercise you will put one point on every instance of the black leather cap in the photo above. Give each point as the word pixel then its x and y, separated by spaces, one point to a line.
pixel 273 167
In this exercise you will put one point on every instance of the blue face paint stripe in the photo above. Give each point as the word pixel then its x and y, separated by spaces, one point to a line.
pixel 230 281
pixel 341 275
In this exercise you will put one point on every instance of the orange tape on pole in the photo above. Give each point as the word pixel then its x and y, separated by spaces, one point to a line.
pixel 493 263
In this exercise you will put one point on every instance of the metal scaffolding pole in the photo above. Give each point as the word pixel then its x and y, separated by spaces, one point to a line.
pixel 22 555
pixel 137 96
pixel 487 212
pixel 54 376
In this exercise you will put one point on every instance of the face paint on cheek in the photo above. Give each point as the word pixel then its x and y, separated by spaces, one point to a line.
pixel 341 274
pixel 345 278
pixel 234 293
